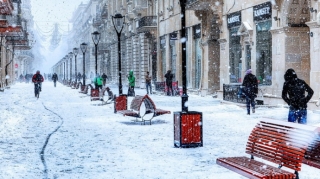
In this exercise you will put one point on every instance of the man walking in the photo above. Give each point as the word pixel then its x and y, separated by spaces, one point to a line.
pixel 250 89
pixel 54 79
pixel 148 83
pixel 293 93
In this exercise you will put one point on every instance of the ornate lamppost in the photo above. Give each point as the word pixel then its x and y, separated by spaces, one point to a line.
pixel 118 23
pixel 96 38
pixel 75 53
pixel 187 124
pixel 83 48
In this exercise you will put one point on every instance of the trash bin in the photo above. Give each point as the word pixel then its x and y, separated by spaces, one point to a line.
pixel 120 103
pixel 188 129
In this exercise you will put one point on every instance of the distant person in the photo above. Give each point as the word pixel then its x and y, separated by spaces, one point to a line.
pixel 21 78
pixel 250 89
pixel 148 83
pixel 54 79
pixel 132 82
pixel 104 79
pixel 110 94
pixel 293 93
pixel 79 76
pixel 98 82
pixel 169 77
pixel 37 78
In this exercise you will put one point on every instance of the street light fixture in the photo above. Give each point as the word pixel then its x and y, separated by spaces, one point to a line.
pixel 118 23
pixel 96 38
pixel 75 53
pixel 70 56
pixel 83 48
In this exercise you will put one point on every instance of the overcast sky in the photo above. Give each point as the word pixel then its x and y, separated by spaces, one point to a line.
pixel 45 14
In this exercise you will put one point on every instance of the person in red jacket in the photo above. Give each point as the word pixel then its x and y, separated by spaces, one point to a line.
pixel 37 78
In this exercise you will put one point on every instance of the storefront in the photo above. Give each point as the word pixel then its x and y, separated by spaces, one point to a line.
pixel 262 17
pixel 235 63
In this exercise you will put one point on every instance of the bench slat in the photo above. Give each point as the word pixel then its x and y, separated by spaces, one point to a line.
pixel 252 168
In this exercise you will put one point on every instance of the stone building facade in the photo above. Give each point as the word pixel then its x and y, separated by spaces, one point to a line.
pixel 269 37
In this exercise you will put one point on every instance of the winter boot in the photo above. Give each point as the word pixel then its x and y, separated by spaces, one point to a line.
pixel 253 110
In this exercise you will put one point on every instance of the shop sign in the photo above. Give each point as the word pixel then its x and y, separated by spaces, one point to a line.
pixel 234 19
pixel 16 65
pixel 262 11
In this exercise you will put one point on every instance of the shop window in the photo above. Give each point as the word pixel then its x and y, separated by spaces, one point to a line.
pixel 263 53
pixel 198 56
pixel 235 56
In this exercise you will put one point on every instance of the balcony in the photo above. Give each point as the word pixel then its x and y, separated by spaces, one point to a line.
pixel 96 22
pixel 102 47
pixel 6 7
pixel 104 12
pixel 200 5
pixel 146 24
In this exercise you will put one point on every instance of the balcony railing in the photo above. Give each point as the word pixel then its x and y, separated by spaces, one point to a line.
pixel 147 21
pixel 191 1
pixel 97 21
pixel 230 93
pixel 6 7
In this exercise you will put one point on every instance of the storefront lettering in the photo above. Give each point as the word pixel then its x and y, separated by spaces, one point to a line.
pixel 233 19
pixel 261 12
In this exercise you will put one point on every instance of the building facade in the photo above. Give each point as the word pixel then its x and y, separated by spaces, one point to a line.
pixel 269 37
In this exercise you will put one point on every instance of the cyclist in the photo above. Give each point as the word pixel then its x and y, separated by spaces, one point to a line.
pixel 37 78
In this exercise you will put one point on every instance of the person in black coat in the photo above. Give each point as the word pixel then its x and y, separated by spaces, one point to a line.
pixel 169 77
pixel 250 89
pixel 293 93
pixel 54 79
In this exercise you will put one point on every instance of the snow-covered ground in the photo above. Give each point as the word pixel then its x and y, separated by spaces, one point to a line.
pixel 65 135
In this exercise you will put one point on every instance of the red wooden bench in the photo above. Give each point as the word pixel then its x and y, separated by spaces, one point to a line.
pixel 282 143
pixel 135 107
pixel 312 156
pixel 84 89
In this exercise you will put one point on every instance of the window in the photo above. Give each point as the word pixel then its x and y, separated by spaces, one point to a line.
pixel 234 56
pixel 263 53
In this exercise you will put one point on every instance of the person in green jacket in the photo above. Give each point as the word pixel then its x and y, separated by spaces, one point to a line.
pixel 98 82
pixel 132 81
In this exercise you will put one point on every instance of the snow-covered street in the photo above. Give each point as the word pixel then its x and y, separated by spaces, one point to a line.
pixel 65 135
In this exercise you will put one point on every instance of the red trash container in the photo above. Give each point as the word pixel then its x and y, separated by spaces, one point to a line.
pixel 188 129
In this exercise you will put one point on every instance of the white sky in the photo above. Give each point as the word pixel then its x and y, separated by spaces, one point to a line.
pixel 45 14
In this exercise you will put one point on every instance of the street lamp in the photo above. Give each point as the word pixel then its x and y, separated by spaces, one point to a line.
pixel 70 56
pixel 83 48
pixel 118 22
pixel 75 53
pixel 96 38
pixel 190 120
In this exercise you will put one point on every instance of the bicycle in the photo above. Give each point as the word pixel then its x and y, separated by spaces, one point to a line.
pixel 37 90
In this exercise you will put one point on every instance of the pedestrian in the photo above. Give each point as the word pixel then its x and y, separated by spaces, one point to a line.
pixel 169 77
pixel 54 79
pixel 37 78
pixel 148 83
pixel 132 81
pixel 98 82
pixel 293 93
pixel 110 94
pixel 21 78
pixel 250 89
pixel 104 78
pixel 79 76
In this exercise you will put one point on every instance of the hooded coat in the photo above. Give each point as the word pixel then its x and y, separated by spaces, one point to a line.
pixel 131 79
pixel 293 92
pixel 250 85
